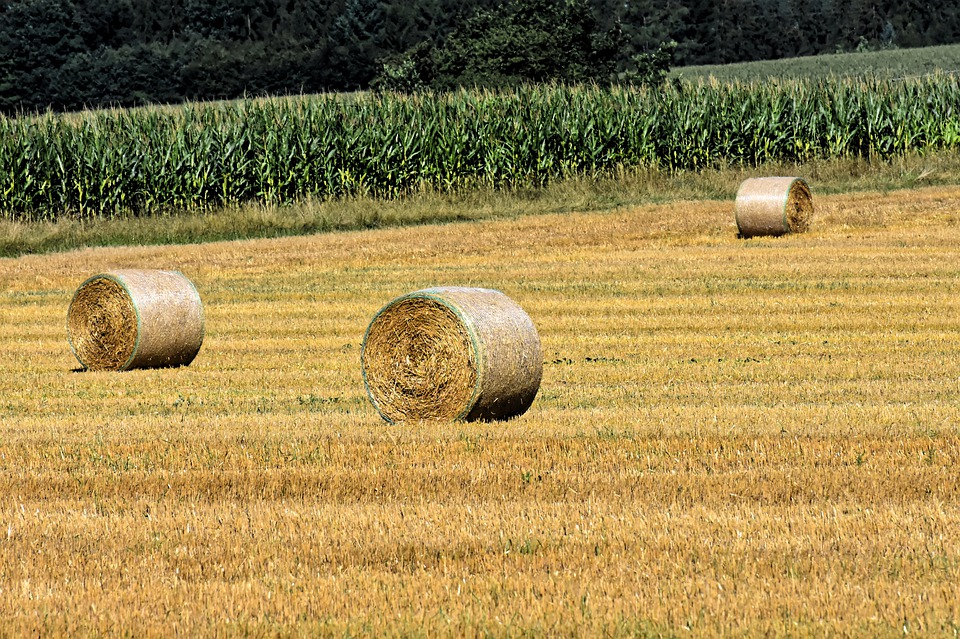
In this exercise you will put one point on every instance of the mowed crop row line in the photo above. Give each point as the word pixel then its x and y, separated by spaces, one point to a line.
pixel 756 436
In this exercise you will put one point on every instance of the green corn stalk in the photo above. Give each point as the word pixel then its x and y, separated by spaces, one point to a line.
pixel 197 157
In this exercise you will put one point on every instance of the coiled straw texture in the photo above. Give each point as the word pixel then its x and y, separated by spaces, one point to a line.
pixel 126 319
pixel 451 353
pixel 773 206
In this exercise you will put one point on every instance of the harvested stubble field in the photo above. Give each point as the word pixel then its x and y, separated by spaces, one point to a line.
pixel 731 437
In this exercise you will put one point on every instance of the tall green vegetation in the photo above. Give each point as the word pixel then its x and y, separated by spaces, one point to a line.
pixel 149 161
pixel 521 41
pixel 75 54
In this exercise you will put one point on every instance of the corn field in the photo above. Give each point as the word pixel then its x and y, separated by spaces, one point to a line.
pixel 202 156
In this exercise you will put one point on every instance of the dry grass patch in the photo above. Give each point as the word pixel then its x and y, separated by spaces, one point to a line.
pixel 731 437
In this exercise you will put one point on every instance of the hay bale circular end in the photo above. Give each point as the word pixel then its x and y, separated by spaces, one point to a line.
pixel 451 353
pixel 773 206
pixel 129 319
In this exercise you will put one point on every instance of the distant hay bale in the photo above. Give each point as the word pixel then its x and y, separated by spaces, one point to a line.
pixel 451 353
pixel 773 206
pixel 126 319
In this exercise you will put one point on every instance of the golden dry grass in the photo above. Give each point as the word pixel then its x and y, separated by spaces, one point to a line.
pixel 731 437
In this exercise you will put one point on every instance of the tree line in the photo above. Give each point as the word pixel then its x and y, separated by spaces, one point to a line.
pixel 72 54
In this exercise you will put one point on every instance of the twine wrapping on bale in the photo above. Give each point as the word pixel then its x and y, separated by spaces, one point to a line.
pixel 773 206
pixel 451 353
pixel 126 319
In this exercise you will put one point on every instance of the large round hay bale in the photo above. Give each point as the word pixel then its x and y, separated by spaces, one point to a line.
pixel 126 319
pixel 451 353
pixel 773 206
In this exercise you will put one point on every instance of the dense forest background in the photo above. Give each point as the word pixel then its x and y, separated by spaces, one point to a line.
pixel 71 54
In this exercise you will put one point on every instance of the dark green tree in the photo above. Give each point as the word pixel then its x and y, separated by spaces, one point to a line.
pixel 36 38
pixel 356 43
pixel 70 54
pixel 526 41
pixel 642 25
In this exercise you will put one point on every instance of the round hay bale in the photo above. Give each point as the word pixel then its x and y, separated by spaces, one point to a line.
pixel 121 320
pixel 773 206
pixel 451 353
